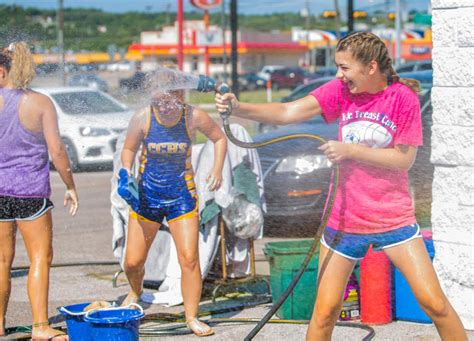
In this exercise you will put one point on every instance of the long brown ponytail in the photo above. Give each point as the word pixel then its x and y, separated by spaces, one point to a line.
pixel 366 47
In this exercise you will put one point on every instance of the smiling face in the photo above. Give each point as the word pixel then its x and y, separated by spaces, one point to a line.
pixel 355 75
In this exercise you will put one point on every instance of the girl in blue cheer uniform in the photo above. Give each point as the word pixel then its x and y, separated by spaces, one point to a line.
pixel 166 190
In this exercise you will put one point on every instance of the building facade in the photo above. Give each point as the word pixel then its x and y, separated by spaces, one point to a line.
pixel 452 152
pixel 255 49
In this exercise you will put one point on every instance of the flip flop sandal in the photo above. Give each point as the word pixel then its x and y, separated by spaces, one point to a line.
pixel 55 336
pixel 52 337
pixel 199 328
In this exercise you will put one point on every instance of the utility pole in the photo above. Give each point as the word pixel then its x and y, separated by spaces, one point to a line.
pixel 350 16
pixel 398 38
pixel 60 23
pixel 180 34
pixel 224 54
pixel 206 48
pixel 234 54
pixel 308 61
pixel 168 10
pixel 338 19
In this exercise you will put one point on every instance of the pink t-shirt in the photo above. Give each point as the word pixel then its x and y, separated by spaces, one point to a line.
pixel 372 199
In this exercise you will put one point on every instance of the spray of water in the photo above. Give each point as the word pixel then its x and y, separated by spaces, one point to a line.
pixel 165 79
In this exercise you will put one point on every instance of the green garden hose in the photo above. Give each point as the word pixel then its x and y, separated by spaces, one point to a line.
pixel 332 195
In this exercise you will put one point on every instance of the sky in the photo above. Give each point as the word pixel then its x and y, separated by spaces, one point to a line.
pixel 243 6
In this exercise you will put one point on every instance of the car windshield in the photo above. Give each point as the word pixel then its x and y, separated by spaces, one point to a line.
pixel 86 102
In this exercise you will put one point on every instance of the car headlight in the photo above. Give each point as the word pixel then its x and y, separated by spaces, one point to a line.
pixel 90 131
pixel 303 164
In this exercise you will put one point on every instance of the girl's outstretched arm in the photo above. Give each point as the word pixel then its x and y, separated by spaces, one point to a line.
pixel 274 113
pixel 206 125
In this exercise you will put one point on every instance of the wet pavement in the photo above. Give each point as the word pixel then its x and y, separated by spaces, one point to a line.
pixel 87 238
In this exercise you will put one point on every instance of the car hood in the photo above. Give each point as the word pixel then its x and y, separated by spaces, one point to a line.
pixel 296 146
pixel 114 121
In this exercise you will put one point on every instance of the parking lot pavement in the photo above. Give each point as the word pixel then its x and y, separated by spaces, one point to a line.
pixel 87 238
pixel 89 283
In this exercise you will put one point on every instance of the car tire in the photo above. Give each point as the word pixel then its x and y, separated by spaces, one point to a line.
pixel 72 154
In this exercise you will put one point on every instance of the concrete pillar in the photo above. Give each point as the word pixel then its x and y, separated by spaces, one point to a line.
pixel 453 152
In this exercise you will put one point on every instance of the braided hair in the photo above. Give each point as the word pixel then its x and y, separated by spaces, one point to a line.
pixel 366 47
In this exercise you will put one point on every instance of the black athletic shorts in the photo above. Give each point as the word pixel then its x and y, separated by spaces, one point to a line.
pixel 12 208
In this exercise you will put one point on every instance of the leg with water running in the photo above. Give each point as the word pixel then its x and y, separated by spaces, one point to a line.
pixel 412 259
pixel 333 275
pixel 38 237
pixel 141 234
pixel 185 234
pixel 7 253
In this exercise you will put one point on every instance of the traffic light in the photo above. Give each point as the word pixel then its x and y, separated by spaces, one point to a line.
pixel 360 14
pixel 329 14
pixel 391 16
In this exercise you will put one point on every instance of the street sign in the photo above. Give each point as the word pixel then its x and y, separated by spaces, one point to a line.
pixel 206 4
pixel 210 37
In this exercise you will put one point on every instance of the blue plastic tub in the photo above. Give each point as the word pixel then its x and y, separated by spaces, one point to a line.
pixel 116 324
pixel 406 306
pixel 77 328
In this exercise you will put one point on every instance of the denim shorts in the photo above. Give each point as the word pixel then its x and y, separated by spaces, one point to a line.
pixel 355 245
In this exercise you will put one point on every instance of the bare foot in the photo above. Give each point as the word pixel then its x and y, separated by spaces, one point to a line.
pixel 97 305
pixel 199 328
pixel 131 298
pixel 48 333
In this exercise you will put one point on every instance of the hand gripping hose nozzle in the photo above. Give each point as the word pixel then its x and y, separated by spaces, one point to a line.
pixel 223 88
pixel 208 84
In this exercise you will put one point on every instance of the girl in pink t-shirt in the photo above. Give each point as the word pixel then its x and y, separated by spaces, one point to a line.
pixel 379 132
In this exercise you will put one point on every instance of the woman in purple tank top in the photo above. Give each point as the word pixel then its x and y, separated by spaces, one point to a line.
pixel 28 133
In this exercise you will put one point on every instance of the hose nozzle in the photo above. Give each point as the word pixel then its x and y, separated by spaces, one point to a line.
pixel 223 88
pixel 206 84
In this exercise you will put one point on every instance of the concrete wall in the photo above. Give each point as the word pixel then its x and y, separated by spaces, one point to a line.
pixel 453 152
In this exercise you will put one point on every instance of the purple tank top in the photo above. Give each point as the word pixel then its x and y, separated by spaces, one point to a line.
pixel 24 161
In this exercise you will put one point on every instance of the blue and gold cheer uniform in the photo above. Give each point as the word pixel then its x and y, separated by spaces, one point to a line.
pixel 166 185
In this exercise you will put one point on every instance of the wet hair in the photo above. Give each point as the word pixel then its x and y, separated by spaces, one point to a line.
pixel 5 61
pixel 18 61
pixel 366 47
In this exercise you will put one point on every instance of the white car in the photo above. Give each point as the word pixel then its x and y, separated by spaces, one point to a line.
pixel 89 122
pixel 267 70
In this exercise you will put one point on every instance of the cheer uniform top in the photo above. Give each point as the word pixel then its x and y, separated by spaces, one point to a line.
pixel 166 185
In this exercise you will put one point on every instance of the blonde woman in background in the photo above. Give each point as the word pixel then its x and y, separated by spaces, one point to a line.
pixel 28 133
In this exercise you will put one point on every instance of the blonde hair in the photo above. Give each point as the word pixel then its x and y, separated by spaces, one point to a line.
pixel 366 47
pixel 22 65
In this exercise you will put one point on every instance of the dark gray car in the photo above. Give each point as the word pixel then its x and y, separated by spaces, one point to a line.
pixel 89 80
pixel 296 174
